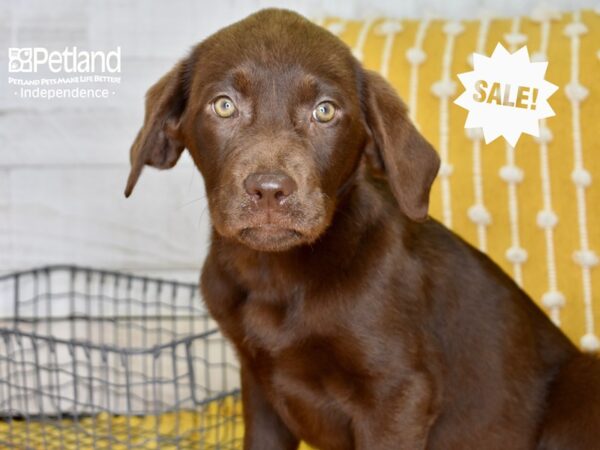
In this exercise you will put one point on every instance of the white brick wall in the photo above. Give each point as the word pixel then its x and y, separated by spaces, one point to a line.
pixel 63 164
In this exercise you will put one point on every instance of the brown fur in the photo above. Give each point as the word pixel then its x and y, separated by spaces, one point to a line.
pixel 359 322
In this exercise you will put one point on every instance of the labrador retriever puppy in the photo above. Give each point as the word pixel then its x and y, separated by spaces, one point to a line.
pixel 359 322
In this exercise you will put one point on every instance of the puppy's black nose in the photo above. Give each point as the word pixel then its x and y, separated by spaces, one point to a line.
pixel 269 189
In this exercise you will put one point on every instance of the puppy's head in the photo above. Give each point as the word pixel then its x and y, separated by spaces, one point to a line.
pixel 278 115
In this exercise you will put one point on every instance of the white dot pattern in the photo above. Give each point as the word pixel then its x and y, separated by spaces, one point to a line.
pixel 584 256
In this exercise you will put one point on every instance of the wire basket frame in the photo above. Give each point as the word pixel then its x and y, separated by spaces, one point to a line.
pixel 99 359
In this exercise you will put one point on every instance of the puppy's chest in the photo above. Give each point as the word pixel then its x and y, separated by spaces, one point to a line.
pixel 292 343
pixel 272 323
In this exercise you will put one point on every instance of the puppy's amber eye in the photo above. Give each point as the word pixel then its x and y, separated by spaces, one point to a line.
pixel 224 107
pixel 324 112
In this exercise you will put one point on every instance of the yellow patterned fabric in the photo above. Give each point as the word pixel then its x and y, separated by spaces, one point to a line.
pixel 217 426
pixel 534 209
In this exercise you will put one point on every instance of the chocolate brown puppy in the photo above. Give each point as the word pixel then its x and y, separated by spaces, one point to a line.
pixel 360 323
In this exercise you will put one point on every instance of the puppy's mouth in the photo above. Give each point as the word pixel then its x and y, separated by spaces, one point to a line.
pixel 293 223
pixel 270 237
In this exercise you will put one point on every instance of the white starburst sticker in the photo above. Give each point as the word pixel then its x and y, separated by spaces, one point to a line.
pixel 506 95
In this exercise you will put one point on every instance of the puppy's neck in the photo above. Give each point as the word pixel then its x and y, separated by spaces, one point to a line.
pixel 358 224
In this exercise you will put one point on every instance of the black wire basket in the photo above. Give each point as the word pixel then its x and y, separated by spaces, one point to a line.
pixel 94 359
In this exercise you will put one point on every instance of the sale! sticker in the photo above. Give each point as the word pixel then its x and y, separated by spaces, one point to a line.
pixel 506 95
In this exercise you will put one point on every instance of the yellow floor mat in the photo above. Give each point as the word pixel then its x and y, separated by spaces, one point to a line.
pixel 218 425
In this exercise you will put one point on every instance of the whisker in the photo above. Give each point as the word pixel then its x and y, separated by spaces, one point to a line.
pixel 193 201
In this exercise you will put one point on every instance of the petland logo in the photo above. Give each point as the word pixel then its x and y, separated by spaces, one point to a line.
pixel 70 60
pixel 38 73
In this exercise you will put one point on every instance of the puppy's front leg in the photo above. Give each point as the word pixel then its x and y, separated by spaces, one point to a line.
pixel 401 420
pixel 264 429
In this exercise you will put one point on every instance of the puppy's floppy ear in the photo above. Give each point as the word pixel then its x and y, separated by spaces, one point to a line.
pixel 409 161
pixel 159 143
